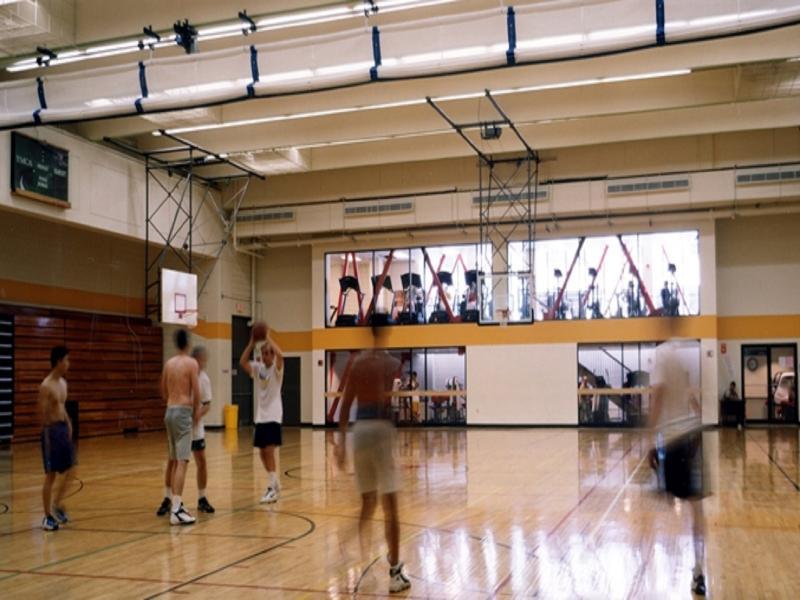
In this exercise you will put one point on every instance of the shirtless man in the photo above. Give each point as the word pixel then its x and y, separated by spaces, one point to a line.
pixel 58 452
pixel 370 381
pixel 181 389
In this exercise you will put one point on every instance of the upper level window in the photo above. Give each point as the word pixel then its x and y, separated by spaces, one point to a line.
pixel 615 276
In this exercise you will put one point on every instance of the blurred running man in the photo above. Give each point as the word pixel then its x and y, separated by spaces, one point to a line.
pixel 181 390
pixel 58 453
pixel 200 354
pixel 370 383
pixel 678 456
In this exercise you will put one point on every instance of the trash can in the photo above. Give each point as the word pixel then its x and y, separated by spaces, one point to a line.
pixel 231 416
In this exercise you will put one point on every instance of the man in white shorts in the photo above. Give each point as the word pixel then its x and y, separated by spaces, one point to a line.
pixel 370 383
pixel 267 375
pixel 200 354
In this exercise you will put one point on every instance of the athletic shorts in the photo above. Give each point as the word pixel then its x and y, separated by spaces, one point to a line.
pixel 373 456
pixel 267 434
pixel 683 466
pixel 58 453
pixel 198 445
pixel 178 421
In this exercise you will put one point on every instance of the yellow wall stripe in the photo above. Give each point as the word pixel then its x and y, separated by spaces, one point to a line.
pixel 551 332
pixel 756 327
pixel 212 330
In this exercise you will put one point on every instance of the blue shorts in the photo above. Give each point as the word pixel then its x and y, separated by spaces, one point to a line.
pixel 58 453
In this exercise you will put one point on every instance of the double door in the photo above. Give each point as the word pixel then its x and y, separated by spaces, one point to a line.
pixel 769 383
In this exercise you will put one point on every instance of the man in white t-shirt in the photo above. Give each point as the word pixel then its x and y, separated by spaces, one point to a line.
pixel 675 413
pixel 267 375
pixel 200 354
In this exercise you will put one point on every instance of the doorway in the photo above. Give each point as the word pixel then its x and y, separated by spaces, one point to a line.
pixel 769 383
pixel 241 384
pixel 290 390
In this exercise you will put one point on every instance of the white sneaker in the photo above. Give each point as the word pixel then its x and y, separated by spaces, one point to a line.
pixel 181 517
pixel 270 496
pixel 397 579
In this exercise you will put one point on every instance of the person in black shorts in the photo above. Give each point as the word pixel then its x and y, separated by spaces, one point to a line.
pixel 267 377
pixel 678 455
pixel 58 452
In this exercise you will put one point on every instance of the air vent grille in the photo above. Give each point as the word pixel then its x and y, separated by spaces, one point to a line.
pixel 648 185
pixel 266 215
pixel 541 195
pixel 383 207
pixel 770 175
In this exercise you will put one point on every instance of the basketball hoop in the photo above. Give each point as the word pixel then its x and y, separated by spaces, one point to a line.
pixel 181 315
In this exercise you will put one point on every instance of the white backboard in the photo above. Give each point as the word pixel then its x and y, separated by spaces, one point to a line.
pixel 178 298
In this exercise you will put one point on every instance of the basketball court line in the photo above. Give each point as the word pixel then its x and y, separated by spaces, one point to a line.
pixel 243 586
pixel 16 572
pixel 564 519
pixel 774 462
pixel 184 532
pixel 309 531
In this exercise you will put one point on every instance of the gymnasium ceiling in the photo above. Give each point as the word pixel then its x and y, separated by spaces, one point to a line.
pixel 730 84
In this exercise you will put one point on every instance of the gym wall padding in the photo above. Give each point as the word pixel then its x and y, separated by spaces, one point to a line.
pixel 115 369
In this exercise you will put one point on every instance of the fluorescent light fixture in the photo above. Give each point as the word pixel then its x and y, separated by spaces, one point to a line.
pixel 593 81
pixel 551 42
pixel 202 88
pixel 295 117
pixel 390 6
pixel 105 102
pixel 287 76
pixel 469 96
pixel 420 101
pixel 720 19
pixel 233 28
pixel 621 32
pixel 129 45
pixel 379 138
pixel 309 17
pixel 654 75
pixel 346 68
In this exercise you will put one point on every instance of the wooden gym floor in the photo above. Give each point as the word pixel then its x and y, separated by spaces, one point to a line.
pixel 486 513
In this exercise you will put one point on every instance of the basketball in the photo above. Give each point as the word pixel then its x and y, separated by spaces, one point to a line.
pixel 259 331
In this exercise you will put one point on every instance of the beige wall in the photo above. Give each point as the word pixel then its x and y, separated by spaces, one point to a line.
pixel 758 265
pixel 284 300
pixel 106 192
pixel 49 253
pixel 522 385
pixel 283 288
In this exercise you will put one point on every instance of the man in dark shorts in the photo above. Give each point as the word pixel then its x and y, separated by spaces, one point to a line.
pixel 58 453
pixel 267 376
pixel 678 456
